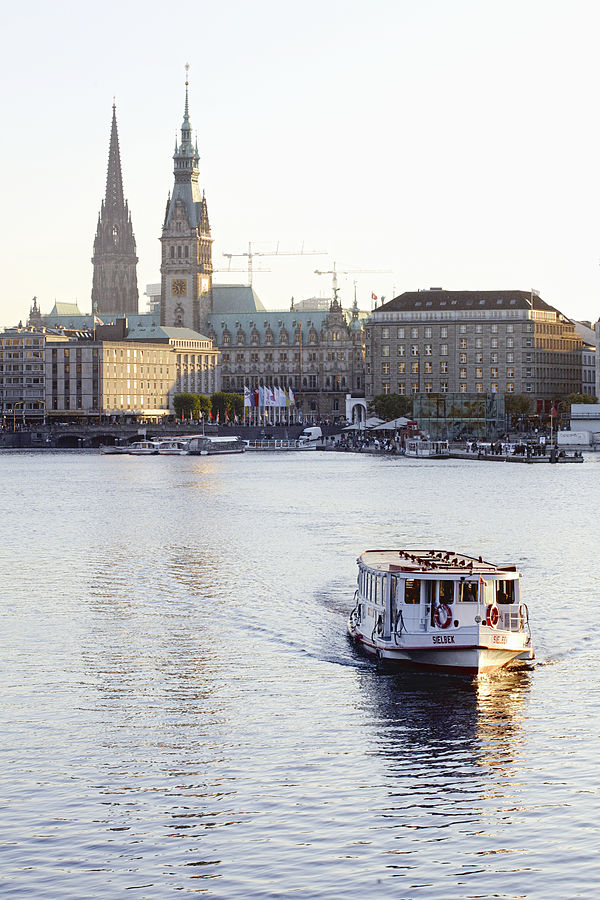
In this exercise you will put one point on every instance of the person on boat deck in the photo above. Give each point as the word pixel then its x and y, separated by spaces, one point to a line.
pixel 469 592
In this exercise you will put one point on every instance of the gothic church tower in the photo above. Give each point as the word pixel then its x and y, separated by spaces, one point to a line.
pixel 114 286
pixel 186 265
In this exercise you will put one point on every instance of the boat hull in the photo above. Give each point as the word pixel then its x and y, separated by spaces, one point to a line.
pixel 460 658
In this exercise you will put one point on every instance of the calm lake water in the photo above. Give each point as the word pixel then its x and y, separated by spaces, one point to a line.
pixel 183 714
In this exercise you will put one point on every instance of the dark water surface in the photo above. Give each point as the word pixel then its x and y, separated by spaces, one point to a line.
pixel 182 713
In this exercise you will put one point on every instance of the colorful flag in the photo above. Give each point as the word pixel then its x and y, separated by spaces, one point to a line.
pixel 261 395
pixel 247 400
pixel 256 397
pixel 373 296
pixel 292 398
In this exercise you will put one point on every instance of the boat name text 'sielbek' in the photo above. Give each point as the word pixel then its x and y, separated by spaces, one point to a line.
pixel 439 610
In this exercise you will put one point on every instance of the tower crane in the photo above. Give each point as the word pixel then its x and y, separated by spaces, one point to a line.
pixel 250 253
pixel 335 272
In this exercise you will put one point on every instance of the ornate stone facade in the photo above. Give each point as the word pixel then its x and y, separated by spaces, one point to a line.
pixel 186 264
pixel 114 286
pixel 319 354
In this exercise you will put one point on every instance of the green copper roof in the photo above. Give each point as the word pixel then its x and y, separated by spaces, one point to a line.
pixel 65 309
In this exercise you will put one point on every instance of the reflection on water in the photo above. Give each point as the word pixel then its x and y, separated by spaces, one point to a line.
pixel 191 718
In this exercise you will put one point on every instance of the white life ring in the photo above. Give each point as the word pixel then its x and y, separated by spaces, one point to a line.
pixel 442 616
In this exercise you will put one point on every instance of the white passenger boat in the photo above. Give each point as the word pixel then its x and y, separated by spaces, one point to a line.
pixel 172 447
pixel 205 445
pixel 278 445
pixel 113 449
pixel 427 449
pixel 439 610
pixel 143 448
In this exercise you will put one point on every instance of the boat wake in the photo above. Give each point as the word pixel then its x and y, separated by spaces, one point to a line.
pixel 586 643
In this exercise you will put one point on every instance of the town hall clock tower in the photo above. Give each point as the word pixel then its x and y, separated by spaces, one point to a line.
pixel 186 264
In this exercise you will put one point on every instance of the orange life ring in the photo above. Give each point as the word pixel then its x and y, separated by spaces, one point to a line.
pixel 442 616
pixel 492 616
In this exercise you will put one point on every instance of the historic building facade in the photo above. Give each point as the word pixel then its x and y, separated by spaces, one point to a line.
pixel 114 286
pixel 22 386
pixel 475 342
pixel 115 371
pixel 318 353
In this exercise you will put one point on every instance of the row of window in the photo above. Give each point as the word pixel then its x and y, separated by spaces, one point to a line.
pixel 428 387
pixel 428 369
pixel 313 338
pixel 415 331
pixel 415 350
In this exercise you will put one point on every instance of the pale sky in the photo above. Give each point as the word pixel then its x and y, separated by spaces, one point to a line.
pixel 452 142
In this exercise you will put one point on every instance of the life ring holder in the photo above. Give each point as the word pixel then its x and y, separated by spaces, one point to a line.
pixel 442 616
pixel 492 615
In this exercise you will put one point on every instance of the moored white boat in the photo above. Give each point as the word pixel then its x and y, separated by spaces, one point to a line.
pixel 113 449
pixel 172 447
pixel 278 445
pixel 427 449
pixel 143 448
pixel 205 445
pixel 439 610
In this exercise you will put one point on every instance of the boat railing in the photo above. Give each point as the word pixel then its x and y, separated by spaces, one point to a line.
pixel 516 619
pixel 271 445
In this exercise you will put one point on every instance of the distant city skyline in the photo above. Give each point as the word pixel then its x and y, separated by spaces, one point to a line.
pixel 452 144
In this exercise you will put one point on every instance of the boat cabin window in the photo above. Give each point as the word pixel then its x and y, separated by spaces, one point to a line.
pixel 467 592
pixel 505 592
pixel 412 590
pixel 446 592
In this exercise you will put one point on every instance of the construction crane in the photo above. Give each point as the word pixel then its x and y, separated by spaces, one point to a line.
pixel 250 253
pixel 335 272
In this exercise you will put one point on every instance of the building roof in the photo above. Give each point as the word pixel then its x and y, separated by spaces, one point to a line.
pixel 263 319
pixel 145 328
pixel 67 320
pixel 235 298
pixel 438 299
pixel 65 309
pixel 585 332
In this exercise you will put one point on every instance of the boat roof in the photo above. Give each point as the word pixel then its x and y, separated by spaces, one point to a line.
pixel 431 562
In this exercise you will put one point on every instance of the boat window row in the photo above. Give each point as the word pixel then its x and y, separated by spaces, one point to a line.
pixel 443 591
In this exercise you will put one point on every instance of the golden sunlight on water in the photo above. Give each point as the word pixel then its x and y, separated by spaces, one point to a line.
pixel 184 714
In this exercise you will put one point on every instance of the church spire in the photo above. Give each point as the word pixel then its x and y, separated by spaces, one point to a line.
pixel 114 287
pixel 114 179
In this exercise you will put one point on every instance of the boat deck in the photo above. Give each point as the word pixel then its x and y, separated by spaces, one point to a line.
pixel 432 562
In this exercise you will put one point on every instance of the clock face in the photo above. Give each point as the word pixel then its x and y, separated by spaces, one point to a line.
pixel 179 287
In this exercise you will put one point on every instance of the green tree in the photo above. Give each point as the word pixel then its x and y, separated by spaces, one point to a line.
pixel 227 405
pixel 517 405
pixel 186 405
pixel 565 403
pixel 391 406
pixel 205 405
